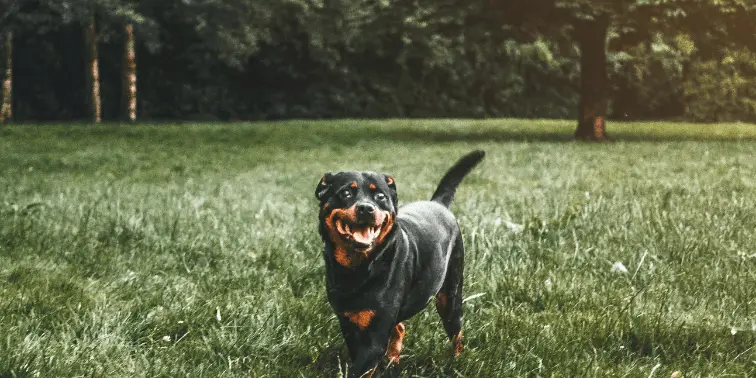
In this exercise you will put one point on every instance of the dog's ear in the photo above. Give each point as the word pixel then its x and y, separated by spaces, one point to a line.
pixel 324 186
pixel 392 185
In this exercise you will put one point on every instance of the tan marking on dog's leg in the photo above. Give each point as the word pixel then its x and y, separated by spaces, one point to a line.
pixel 457 344
pixel 441 303
pixel 395 343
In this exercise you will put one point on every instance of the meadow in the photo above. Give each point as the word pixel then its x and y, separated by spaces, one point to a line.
pixel 191 249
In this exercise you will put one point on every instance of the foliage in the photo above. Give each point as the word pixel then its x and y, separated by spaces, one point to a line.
pixel 723 89
pixel 647 78
pixel 263 59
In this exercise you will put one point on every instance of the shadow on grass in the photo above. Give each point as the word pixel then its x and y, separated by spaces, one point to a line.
pixel 312 134
pixel 539 136
pixel 304 138
pixel 334 359
pixel 301 136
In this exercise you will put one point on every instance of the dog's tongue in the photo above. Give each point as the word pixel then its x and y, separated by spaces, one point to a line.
pixel 364 236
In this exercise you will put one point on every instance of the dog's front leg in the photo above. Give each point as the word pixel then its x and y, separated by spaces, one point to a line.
pixel 367 337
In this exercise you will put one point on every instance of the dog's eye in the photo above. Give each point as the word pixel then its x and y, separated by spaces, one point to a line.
pixel 380 197
pixel 346 194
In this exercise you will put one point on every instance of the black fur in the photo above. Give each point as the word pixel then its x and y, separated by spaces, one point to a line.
pixel 395 276
pixel 444 194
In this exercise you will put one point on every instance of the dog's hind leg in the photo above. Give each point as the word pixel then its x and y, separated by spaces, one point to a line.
pixel 449 298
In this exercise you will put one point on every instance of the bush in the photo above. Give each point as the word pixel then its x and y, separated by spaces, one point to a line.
pixel 722 90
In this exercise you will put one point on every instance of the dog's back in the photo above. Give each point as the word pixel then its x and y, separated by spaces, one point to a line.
pixel 430 235
pixel 429 232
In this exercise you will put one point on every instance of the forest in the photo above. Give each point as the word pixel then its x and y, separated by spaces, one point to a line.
pixel 226 60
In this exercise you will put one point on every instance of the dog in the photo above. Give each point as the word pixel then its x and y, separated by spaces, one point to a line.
pixel 384 264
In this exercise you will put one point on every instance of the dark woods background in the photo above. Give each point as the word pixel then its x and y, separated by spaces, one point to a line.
pixel 236 59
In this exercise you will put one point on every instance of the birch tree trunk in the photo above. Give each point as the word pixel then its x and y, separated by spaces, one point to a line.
pixel 6 109
pixel 129 84
pixel 93 73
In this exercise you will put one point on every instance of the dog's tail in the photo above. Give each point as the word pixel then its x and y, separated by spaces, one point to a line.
pixel 445 192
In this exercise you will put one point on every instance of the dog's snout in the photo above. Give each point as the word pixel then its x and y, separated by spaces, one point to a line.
pixel 365 209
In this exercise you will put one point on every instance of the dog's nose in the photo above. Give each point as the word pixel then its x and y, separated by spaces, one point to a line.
pixel 365 209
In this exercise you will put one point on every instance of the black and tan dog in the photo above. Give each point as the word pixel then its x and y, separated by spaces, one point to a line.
pixel 384 264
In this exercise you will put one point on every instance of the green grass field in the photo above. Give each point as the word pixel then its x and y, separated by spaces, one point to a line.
pixel 191 250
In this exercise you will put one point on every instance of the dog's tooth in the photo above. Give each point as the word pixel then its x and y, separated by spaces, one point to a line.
pixel 348 230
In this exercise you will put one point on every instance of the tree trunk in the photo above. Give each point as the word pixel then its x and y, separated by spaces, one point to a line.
pixel 128 86
pixel 6 108
pixel 93 73
pixel 591 36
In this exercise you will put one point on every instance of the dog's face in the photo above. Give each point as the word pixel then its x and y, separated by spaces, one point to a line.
pixel 357 211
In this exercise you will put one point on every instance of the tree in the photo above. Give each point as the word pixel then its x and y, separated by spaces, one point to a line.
pixel 588 23
pixel 96 16
pixel 231 59
pixel 129 82
pixel 6 99
pixel 6 108
pixel 591 36
pixel 93 70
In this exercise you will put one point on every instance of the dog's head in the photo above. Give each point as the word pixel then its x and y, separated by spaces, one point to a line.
pixel 357 211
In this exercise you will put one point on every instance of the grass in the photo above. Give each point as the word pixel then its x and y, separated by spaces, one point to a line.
pixel 191 250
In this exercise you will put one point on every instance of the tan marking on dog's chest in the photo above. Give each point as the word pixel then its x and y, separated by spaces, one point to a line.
pixel 360 318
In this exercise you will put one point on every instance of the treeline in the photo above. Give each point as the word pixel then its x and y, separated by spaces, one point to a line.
pixel 269 59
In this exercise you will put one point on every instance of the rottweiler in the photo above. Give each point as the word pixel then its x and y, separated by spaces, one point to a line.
pixel 385 263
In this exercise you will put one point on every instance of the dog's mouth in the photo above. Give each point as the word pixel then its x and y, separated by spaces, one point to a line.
pixel 362 236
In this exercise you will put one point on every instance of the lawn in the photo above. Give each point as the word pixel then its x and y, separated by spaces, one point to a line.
pixel 192 250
